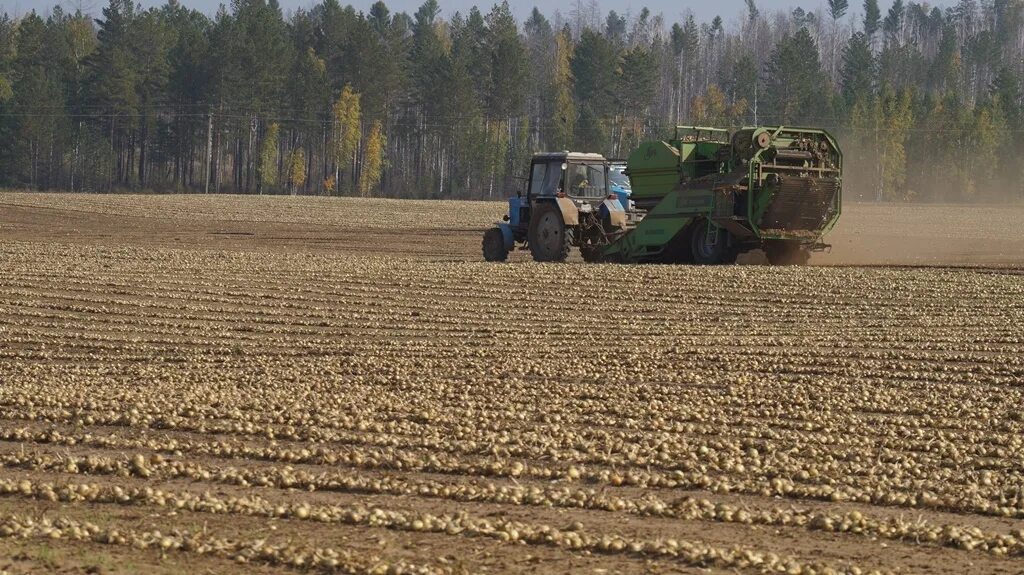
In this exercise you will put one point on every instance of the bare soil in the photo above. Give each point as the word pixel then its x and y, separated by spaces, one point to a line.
pixel 867 234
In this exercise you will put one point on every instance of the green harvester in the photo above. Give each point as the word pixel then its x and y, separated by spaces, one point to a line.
pixel 703 197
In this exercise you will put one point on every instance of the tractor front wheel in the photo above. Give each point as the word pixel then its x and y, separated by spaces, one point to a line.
pixel 494 246
pixel 549 239
pixel 786 253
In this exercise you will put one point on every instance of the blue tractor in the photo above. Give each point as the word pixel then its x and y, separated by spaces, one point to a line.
pixel 570 200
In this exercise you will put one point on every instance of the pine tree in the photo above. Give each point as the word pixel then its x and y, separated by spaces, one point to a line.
pixel 541 51
pixel 151 41
pixel 795 86
pixel 685 47
pixel 945 70
pixel 1006 89
pixel 593 70
pixel 752 11
pixel 428 55
pixel 893 23
pixel 872 19
pixel 635 91
pixel 857 77
pixel 743 87
pixel 591 131
pixel 508 64
pixel 38 108
pixel 837 9
pixel 615 28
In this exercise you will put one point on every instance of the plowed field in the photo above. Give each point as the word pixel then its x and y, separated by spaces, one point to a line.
pixel 242 384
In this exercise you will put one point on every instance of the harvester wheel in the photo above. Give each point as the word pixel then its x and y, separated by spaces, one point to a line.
pixel 709 253
pixel 549 239
pixel 494 246
pixel 786 253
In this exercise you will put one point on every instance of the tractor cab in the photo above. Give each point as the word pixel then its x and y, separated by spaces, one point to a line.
pixel 582 177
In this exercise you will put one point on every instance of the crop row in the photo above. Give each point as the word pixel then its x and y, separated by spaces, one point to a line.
pixel 574 538
pixel 878 490
pixel 156 468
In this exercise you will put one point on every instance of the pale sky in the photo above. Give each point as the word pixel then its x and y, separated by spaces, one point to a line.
pixel 673 11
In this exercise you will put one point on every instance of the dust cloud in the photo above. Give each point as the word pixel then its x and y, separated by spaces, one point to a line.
pixel 939 235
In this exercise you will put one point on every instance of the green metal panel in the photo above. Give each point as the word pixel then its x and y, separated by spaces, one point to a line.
pixel 653 169
pixel 661 224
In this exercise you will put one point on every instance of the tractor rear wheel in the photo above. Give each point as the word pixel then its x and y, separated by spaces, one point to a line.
pixel 709 250
pixel 786 253
pixel 494 246
pixel 549 239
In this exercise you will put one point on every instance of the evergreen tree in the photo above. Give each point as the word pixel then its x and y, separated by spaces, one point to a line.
pixel 1006 89
pixel 837 9
pixel 615 28
pixel 893 23
pixel 428 54
pixel 945 69
pixel 37 106
pixel 506 93
pixel 541 70
pixel 872 19
pixel 795 87
pixel 591 131
pixel 743 87
pixel 857 77
pixel 593 65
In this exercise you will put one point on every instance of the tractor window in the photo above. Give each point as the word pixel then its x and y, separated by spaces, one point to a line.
pixel 537 179
pixel 586 180
pixel 545 179
pixel 617 177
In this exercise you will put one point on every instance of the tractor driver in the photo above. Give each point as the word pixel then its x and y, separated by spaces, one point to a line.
pixel 579 179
